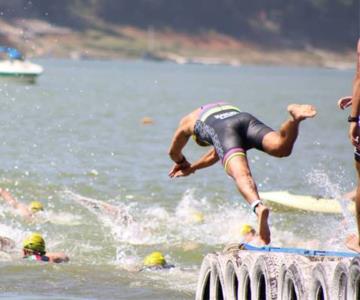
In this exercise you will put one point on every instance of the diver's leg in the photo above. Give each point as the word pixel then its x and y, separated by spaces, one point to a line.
pixel 237 167
pixel 280 143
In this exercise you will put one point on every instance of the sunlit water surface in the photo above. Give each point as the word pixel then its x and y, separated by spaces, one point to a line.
pixel 78 133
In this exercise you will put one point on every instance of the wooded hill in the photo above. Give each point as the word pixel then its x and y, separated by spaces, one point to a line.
pixel 331 24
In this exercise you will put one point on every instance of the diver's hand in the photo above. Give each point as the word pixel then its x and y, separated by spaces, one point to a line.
pixel 344 102
pixel 178 167
pixel 184 172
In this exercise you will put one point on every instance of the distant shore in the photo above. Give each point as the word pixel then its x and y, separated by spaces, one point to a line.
pixel 41 39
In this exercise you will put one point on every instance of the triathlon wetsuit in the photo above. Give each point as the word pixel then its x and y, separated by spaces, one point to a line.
pixel 37 257
pixel 229 130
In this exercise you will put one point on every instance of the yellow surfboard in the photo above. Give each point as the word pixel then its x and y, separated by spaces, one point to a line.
pixel 285 201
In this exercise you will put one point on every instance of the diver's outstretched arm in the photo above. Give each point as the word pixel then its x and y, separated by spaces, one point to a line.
pixel 179 140
pixel 205 161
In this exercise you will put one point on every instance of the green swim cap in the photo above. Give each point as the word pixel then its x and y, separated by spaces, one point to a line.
pixel 35 242
pixel 36 206
pixel 154 259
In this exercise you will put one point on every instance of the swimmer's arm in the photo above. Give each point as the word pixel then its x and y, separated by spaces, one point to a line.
pixel 9 198
pixel 98 204
pixel 111 210
pixel 20 207
pixel 57 257
pixel 205 161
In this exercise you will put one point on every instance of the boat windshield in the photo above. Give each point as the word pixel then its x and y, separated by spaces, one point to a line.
pixel 11 53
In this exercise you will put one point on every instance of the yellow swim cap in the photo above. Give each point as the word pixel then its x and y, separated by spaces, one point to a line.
pixel 36 206
pixel 154 259
pixel 246 228
pixel 35 242
pixel 198 217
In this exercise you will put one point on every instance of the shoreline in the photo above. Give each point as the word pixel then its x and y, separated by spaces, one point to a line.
pixel 39 39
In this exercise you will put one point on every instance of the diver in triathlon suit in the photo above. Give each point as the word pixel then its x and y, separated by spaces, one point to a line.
pixel 353 240
pixel 231 133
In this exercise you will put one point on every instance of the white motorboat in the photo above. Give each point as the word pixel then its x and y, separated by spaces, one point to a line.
pixel 14 66
pixel 20 69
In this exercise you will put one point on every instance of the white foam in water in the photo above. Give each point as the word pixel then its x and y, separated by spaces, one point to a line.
pixel 124 227
pixel 189 205
pixel 59 218
pixel 127 258
pixel 221 223
pixel 322 181
pixel 155 225
pixel 157 212
pixel 168 231
pixel 15 234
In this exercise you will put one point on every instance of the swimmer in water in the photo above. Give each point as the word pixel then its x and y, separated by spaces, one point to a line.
pixel 118 214
pixel 248 234
pixel 34 249
pixel 26 211
pixel 231 133
pixel 155 261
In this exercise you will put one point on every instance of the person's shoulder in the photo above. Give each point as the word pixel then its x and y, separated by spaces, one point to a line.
pixel 190 118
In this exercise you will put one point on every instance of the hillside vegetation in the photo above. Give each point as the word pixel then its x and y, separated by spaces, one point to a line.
pixel 130 27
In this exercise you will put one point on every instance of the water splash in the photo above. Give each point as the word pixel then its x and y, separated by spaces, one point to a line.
pixel 332 189
pixel 326 186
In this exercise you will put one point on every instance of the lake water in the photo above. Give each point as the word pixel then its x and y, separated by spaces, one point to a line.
pixel 78 133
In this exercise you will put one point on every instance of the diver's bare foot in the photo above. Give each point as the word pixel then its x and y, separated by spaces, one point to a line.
pixel 264 231
pixel 352 242
pixel 300 112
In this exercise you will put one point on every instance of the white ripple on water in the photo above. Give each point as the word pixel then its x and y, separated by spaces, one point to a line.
pixel 155 225
pixel 221 222
pixel 147 226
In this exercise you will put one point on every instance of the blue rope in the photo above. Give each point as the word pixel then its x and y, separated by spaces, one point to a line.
pixel 299 251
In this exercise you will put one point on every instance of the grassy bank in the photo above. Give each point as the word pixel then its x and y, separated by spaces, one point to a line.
pixel 105 41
